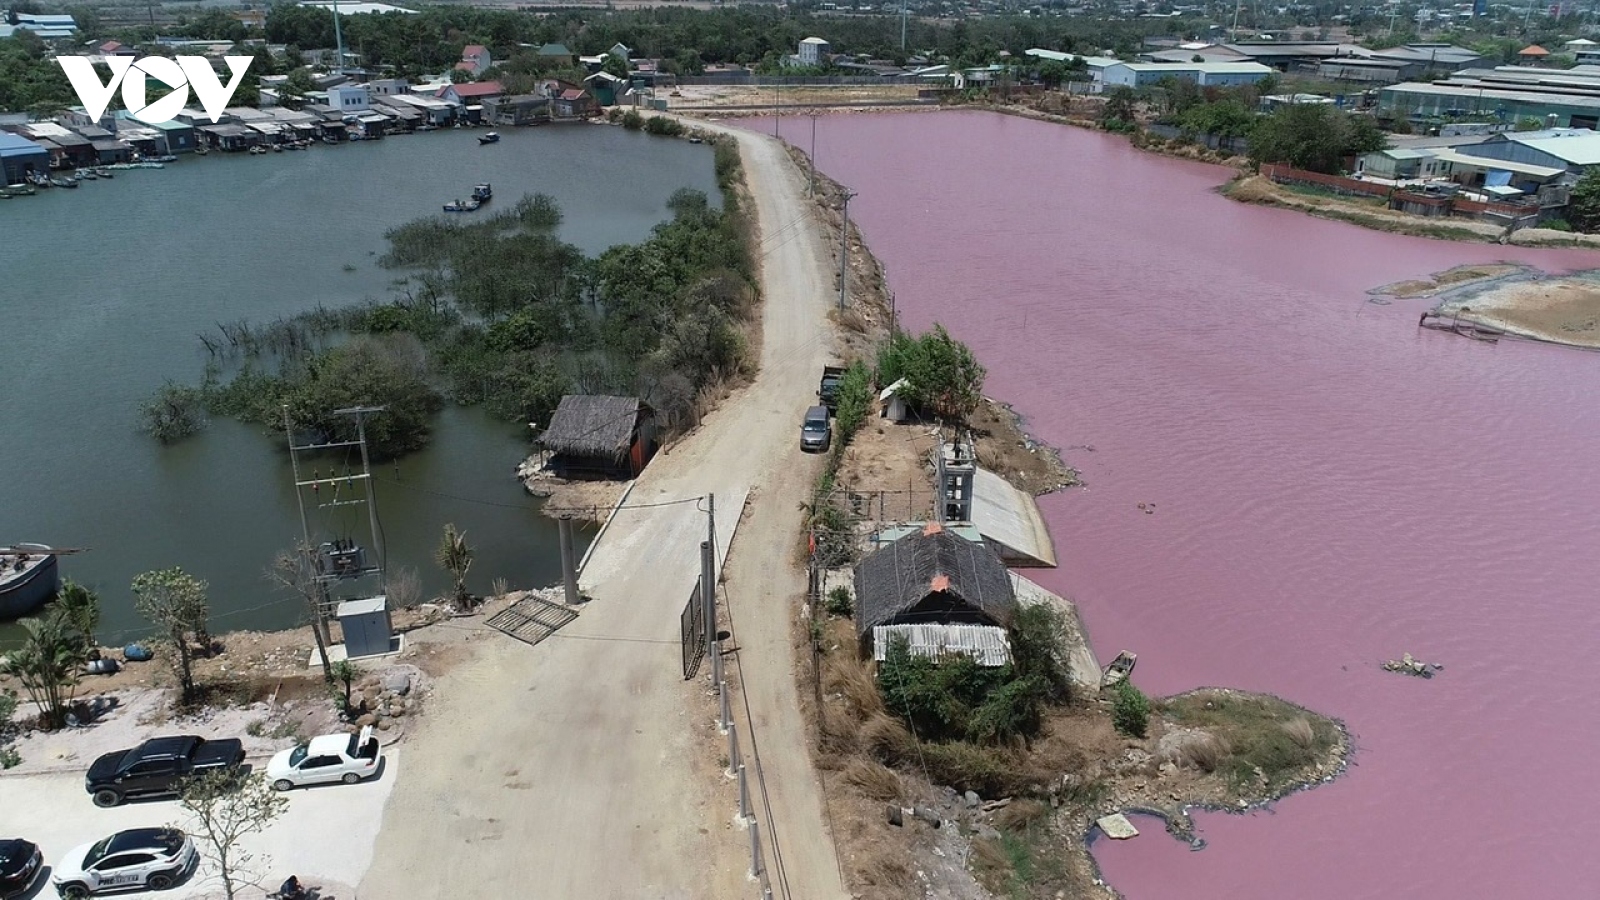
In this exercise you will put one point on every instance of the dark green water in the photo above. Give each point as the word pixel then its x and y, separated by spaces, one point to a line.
pixel 103 289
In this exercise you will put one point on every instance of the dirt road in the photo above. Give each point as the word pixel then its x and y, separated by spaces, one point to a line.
pixel 578 768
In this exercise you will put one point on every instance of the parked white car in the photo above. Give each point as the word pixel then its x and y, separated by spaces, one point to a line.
pixel 139 858
pixel 323 760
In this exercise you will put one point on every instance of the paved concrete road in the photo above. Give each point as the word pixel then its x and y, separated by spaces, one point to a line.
pixel 573 769
pixel 325 837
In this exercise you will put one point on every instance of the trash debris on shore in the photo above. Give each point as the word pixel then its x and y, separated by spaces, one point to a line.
pixel 1409 665
pixel 1117 827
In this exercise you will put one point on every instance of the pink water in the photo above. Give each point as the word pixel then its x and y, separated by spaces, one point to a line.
pixel 1333 487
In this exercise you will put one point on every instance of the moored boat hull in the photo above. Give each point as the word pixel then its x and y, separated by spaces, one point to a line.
pixel 25 586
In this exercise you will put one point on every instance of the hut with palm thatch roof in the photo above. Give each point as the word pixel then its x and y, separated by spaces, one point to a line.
pixel 597 436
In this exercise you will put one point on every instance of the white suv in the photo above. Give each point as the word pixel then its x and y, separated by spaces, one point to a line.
pixel 140 858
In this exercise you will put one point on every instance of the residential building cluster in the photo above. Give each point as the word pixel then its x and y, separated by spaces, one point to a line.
pixel 1535 168
pixel 345 106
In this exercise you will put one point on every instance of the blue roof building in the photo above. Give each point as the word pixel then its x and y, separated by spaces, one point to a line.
pixel 19 157
pixel 47 27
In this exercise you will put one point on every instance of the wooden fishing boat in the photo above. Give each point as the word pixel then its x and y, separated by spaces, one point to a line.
pixel 1119 669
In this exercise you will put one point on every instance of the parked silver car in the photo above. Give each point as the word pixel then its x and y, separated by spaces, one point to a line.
pixel 816 432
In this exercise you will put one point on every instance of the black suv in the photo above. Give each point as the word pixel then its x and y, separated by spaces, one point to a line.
pixel 20 864
pixel 158 766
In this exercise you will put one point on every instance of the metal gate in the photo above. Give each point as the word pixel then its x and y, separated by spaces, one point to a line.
pixel 532 619
pixel 692 625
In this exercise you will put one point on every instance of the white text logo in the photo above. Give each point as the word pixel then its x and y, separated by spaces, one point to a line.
pixel 180 74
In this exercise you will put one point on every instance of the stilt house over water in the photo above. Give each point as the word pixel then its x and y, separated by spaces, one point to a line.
pixel 595 436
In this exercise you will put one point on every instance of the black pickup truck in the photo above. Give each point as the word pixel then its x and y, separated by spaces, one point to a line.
pixel 158 766
pixel 828 388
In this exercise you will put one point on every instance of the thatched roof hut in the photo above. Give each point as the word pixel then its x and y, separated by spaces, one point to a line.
pixel 933 576
pixel 597 434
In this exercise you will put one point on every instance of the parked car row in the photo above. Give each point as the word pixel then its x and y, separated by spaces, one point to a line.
pixel 816 428
pixel 158 858
pixel 140 858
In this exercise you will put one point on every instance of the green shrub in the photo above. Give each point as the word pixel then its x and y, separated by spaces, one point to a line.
pixel 1556 225
pixel 840 603
pixel 853 401
pixel 1130 709
pixel 942 376
pixel 1039 648
pixel 1012 710
pixel 663 126
pixel 632 121
pixel 937 698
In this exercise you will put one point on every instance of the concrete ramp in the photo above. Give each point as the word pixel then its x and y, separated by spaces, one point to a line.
pixel 1081 661
pixel 1009 521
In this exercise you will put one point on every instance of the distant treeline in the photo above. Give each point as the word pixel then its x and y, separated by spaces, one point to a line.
pixel 500 312
pixel 687 40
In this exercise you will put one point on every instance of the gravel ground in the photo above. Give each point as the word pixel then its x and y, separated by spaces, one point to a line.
pixel 325 837
pixel 135 716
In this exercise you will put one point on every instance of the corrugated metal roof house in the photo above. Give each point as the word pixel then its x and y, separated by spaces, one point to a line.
pixel 20 157
pixel 932 577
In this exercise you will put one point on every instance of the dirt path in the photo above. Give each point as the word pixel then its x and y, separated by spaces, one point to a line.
pixel 581 765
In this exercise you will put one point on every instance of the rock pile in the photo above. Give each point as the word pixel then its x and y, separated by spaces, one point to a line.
pixel 1408 665
pixel 385 696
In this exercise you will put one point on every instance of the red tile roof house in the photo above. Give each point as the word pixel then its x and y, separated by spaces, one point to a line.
pixel 470 92
pixel 475 60
pixel 573 103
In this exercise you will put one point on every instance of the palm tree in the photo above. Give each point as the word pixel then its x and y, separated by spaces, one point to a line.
pixel 455 557
pixel 48 663
pixel 81 609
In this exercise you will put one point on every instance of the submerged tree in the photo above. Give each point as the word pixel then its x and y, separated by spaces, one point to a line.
pixel 174 413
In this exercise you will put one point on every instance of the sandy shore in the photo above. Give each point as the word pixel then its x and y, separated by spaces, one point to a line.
pixel 1514 299
pixel 1562 310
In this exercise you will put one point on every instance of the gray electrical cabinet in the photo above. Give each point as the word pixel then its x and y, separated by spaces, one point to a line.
pixel 366 626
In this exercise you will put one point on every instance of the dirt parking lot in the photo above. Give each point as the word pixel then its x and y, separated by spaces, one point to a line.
pixel 325 837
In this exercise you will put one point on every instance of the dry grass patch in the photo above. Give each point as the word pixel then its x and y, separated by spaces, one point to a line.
pixel 1301 732
pixel 875 780
pixel 1020 814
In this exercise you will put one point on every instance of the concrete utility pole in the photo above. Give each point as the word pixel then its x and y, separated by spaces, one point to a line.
pixel 776 113
pixel 902 26
pixel 338 39
pixel 844 248
pixel 812 191
pixel 361 412
pixel 708 578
